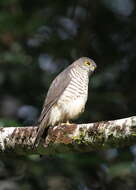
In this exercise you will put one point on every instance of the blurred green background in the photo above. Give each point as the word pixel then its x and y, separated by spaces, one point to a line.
pixel 38 39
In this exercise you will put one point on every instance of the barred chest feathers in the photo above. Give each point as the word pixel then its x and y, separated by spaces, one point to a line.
pixel 72 101
pixel 75 96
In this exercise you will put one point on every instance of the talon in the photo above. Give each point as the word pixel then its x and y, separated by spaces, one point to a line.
pixel 68 123
pixel 62 124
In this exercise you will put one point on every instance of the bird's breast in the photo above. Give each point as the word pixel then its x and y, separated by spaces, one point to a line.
pixel 74 97
pixel 76 106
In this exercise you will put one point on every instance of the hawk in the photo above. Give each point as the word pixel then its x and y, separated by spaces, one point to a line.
pixel 67 95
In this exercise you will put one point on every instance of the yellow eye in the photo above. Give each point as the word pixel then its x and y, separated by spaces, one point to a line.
pixel 87 63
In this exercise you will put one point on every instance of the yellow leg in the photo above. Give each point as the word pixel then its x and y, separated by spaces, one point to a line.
pixel 67 123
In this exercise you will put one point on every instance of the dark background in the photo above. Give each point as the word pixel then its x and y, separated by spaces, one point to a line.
pixel 38 39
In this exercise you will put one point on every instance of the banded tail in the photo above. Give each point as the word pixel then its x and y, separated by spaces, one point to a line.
pixel 42 129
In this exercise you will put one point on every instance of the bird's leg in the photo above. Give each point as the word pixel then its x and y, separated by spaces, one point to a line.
pixel 62 124
pixel 66 123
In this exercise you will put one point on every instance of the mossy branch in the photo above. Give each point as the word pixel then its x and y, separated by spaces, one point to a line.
pixel 70 138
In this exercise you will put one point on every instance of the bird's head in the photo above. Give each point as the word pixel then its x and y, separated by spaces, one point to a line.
pixel 86 64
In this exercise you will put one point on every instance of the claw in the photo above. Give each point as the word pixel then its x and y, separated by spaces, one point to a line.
pixel 67 123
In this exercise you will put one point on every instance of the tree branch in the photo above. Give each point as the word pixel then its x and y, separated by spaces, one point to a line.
pixel 70 138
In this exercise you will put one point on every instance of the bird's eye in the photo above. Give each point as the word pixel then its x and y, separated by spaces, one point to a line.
pixel 87 63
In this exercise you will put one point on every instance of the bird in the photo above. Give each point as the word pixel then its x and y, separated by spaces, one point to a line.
pixel 66 97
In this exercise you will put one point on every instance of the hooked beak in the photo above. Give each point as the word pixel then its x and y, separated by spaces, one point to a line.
pixel 93 66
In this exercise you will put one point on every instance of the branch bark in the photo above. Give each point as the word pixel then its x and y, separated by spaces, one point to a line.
pixel 70 138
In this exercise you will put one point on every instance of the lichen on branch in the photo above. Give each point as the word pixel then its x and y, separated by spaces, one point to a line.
pixel 70 138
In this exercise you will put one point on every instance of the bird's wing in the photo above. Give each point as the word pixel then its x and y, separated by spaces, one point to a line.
pixel 56 89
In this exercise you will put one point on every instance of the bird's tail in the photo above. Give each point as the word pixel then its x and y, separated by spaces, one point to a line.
pixel 42 129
